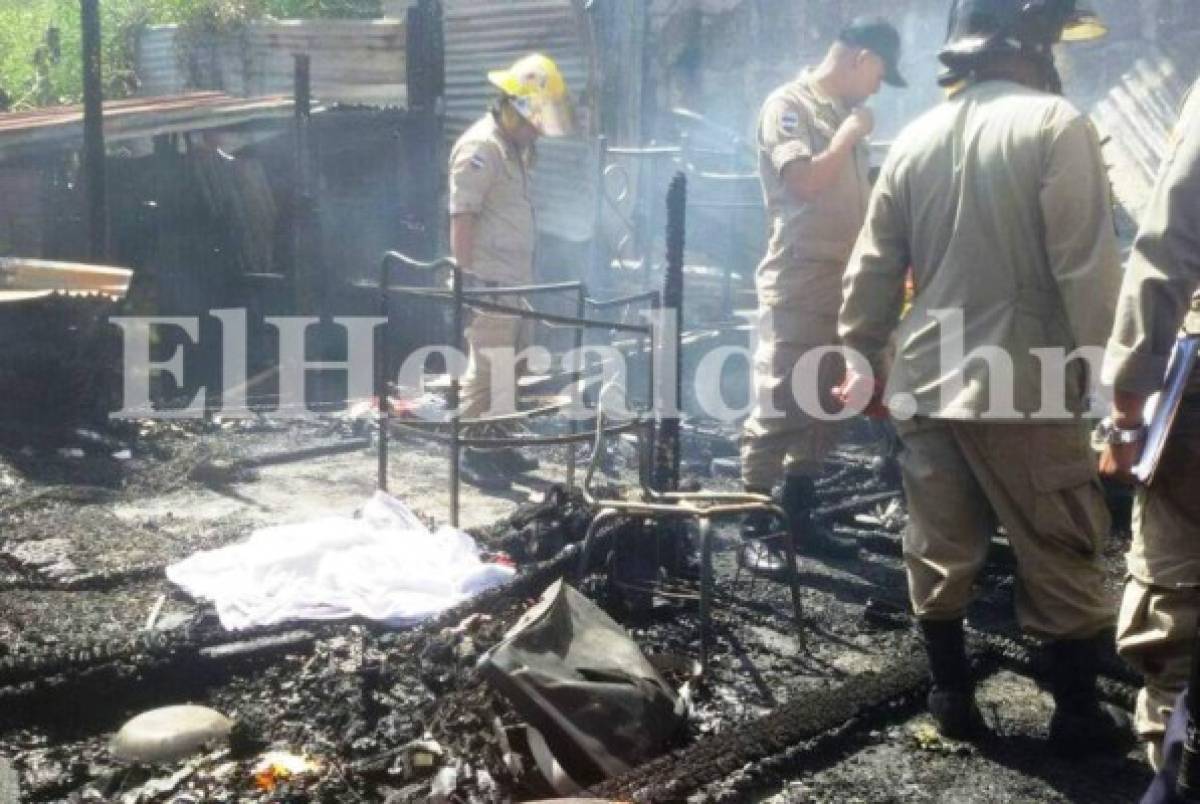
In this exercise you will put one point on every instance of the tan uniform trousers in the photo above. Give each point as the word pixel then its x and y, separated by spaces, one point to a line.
pixel 1040 481
pixel 1161 605
pixel 483 333
pixel 789 440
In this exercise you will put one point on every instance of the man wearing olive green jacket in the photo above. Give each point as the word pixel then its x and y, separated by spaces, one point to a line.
pixel 1161 605
pixel 999 203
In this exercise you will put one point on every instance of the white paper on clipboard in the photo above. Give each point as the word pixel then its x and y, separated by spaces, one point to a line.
pixel 1163 407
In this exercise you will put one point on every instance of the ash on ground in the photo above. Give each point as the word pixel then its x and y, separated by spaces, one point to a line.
pixel 91 634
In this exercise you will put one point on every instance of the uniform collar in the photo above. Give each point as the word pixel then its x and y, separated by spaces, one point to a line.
pixel 808 84
pixel 990 86
pixel 512 151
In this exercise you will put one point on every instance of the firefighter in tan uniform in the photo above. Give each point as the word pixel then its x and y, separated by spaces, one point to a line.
pixel 813 165
pixel 492 234
pixel 999 202
pixel 1159 612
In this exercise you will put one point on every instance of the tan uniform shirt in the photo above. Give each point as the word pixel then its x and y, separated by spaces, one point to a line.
pixel 489 178
pixel 1164 271
pixel 999 201
pixel 809 243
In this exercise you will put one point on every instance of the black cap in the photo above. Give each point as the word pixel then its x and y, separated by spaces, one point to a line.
pixel 881 38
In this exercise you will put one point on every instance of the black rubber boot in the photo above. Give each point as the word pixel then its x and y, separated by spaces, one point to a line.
pixel 799 500
pixel 481 471
pixel 952 698
pixel 1081 724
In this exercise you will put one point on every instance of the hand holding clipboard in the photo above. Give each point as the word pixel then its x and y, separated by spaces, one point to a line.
pixel 1163 408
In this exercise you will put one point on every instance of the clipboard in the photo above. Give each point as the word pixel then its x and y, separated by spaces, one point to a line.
pixel 1163 408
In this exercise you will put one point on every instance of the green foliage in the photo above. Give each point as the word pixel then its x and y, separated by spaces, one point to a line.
pixel 40 40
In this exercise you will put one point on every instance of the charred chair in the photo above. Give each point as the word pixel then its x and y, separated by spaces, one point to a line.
pixel 459 299
pixel 699 508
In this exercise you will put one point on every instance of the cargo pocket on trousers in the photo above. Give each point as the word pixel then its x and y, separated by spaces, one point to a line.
pixel 1069 507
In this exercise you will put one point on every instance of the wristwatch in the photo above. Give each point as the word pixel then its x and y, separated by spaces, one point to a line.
pixel 1107 434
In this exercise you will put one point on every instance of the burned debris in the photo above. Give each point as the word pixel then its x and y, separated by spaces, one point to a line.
pixel 372 713
pixel 274 527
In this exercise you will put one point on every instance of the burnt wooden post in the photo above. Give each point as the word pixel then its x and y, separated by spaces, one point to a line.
pixel 382 375
pixel 666 443
pixel 425 79
pixel 94 172
pixel 305 226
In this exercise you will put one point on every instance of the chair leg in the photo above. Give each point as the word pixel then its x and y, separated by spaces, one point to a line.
pixel 706 590
pixel 793 580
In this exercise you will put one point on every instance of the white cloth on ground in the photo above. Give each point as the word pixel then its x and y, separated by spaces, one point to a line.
pixel 383 565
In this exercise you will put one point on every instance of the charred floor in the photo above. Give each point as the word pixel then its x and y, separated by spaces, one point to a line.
pixel 833 711
pixel 301 170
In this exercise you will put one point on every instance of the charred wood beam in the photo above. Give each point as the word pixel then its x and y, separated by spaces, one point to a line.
pixel 673 776
pixel 667 443
pixel 94 169
pixel 424 62
pixel 383 372
pixel 857 504
pixel 100 581
pixel 305 222
pixel 425 66
pixel 306 454
pixel 262 648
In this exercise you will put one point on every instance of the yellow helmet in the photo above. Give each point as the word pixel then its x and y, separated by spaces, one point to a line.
pixel 535 87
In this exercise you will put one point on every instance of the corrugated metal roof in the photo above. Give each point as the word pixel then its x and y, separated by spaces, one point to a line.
pixel 62 126
pixel 483 35
pixel 353 61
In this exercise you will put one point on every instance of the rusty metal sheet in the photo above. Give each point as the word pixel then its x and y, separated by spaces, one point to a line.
pixel 62 126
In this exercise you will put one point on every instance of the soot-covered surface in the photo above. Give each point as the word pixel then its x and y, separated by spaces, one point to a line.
pixel 395 716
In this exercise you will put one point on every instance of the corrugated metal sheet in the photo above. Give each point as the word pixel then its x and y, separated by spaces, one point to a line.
pixel 158 62
pixel 395 8
pixel 483 35
pixel 22 205
pixel 353 61
pixel 62 126
pixel 215 62
pixel 1137 116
